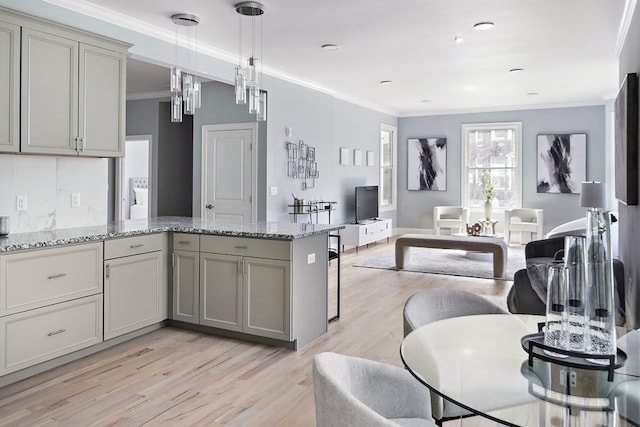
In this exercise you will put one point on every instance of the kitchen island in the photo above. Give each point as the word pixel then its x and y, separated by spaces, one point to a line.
pixel 68 293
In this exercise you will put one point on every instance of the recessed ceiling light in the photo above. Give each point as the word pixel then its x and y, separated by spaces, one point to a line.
pixel 532 93
pixel 458 39
pixel 330 47
pixel 516 70
pixel 385 82
pixel 481 26
pixel 425 100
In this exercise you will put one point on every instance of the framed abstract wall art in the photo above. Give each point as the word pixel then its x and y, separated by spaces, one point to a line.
pixel 427 164
pixel 562 162
pixel 626 141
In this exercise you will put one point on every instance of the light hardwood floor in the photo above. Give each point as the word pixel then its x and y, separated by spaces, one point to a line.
pixel 177 377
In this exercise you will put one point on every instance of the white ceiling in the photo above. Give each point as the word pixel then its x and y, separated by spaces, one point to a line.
pixel 566 47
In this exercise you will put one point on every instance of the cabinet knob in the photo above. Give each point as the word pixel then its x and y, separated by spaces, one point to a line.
pixel 209 206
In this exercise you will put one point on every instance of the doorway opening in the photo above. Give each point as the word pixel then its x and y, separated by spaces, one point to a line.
pixel 133 179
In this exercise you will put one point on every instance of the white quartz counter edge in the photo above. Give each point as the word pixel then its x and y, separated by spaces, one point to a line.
pixel 113 230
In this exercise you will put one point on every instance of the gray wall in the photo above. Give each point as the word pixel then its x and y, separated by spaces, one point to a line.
pixel 326 123
pixel 630 215
pixel 415 208
pixel 175 164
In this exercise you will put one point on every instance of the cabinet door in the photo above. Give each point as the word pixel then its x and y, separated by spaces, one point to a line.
pixel 267 298
pixel 101 101
pixel 49 93
pixel 134 293
pixel 221 291
pixel 9 87
pixel 186 286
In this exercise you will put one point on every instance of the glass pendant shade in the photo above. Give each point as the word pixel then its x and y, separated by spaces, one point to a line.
pixel 189 102
pixel 254 100
pixel 176 80
pixel 197 95
pixel 176 108
pixel 241 86
pixel 187 82
pixel 262 106
pixel 251 72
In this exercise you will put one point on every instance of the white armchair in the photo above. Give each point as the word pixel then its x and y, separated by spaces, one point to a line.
pixel 452 218
pixel 525 222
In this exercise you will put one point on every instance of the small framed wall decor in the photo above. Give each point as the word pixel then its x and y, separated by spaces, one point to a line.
pixel 344 156
pixel 357 157
pixel 370 160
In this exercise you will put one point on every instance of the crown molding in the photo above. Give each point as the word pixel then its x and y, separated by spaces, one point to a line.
pixel 625 23
pixel 505 108
pixel 149 95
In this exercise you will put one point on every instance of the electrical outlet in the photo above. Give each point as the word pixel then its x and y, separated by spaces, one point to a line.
pixel 21 203
pixel 75 200
pixel 311 258
pixel 274 191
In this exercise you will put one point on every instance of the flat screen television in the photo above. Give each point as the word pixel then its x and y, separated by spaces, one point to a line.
pixel 366 203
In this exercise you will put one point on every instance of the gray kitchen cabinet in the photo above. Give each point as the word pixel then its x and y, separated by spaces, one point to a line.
pixel 9 87
pixel 186 277
pixel 267 298
pixel 245 285
pixel 135 290
pixel 72 95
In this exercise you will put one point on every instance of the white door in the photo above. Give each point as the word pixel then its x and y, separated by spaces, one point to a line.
pixel 229 172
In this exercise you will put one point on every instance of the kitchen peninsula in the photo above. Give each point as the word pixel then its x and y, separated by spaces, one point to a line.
pixel 68 293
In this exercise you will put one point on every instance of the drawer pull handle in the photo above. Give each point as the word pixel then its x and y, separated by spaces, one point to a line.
pixel 56 276
pixel 183 242
pixel 241 247
pixel 59 331
pixel 139 245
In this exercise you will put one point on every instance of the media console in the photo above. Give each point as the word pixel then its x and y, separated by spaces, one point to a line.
pixel 362 234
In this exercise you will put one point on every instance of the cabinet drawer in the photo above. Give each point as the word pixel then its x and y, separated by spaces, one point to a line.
pixel 35 279
pixel 242 246
pixel 39 335
pixel 135 245
pixel 186 242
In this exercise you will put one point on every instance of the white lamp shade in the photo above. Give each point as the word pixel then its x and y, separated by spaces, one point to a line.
pixel 593 195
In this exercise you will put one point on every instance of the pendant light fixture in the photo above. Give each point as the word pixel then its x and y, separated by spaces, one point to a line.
pixel 247 76
pixel 185 87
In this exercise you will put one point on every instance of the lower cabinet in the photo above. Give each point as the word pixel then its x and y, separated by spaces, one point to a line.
pixel 267 298
pixel 244 294
pixel 135 291
pixel 186 286
pixel 42 334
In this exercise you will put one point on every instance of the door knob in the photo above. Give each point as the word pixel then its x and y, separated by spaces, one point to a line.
pixel 209 206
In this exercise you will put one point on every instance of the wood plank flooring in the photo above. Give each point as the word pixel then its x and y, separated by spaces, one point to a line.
pixel 182 378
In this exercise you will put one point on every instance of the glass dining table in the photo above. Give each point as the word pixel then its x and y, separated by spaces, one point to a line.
pixel 478 363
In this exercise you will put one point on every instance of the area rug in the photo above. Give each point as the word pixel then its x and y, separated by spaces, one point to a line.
pixel 446 261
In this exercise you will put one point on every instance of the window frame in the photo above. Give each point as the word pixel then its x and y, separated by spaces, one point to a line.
pixel 393 131
pixel 466 128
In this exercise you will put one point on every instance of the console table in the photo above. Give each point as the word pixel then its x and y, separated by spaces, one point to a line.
pixel 362 234
pixel 311 208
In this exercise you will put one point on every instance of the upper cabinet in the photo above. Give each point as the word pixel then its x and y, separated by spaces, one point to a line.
pixel 72 90
pixel 9 87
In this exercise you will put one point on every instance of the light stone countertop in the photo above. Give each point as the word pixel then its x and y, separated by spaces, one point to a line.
pixel 116 229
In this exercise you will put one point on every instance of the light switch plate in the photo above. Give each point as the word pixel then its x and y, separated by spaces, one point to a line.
pixel 288 131
pixel 311 258
pixel 274 191
pixel 75 200
pixel 21 203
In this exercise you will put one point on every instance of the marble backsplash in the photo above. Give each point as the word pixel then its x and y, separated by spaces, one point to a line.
pixel 48 182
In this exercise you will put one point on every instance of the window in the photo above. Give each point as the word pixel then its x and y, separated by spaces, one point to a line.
pixel 492 156
pixel 388 167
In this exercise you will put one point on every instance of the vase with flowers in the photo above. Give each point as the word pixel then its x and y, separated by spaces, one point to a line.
pixel 488 189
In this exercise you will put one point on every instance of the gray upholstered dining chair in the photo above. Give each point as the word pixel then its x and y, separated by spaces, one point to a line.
pixel 430 305
pixel 350 391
